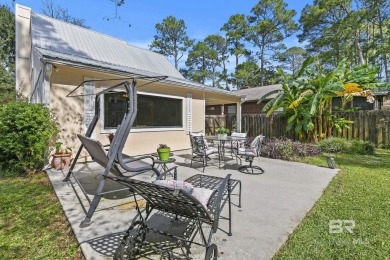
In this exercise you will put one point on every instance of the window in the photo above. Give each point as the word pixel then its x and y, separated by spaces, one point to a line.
pixel 231 109
pixel 115 106
pixel 153 111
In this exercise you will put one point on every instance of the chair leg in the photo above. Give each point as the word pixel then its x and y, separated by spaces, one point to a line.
pixel 246 168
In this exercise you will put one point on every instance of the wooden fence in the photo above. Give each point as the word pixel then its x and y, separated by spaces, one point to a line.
pixel 373 126
pixel 213 122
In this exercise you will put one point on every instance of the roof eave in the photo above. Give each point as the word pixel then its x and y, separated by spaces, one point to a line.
pixel 119 72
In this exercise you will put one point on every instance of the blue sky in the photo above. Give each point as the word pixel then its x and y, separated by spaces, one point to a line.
pixel 202 17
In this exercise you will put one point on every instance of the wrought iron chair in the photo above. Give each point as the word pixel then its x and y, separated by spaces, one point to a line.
pixel 235 144
pixel 249 153
pixel 177 207
pixel 201 151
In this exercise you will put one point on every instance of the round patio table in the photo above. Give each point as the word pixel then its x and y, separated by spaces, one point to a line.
pixel 221 146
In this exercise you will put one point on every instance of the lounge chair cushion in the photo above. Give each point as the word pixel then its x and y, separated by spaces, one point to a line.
pixel 201 194
pixel 174 184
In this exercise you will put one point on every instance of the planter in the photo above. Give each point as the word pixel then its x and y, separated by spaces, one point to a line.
pixel 222 136
pixel 163 153
pixel 61 161
pixel 331 162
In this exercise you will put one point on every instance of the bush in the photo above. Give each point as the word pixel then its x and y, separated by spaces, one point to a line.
pixel 361 147
pixel 334 145
pixel 286 149
pixel 27 131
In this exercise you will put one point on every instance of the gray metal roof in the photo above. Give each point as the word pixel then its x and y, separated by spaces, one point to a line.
pixel 65 38
pixel 254 94
pixel 59 41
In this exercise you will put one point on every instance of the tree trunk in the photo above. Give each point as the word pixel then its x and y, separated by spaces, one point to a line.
pixel 359 49
pixel 383 54
pixel 262 64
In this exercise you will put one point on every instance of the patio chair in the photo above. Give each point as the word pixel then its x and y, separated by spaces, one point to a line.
pixel 235 144
pixel 201 151
pixel 249 153
pixel 132 166
pixel 193 209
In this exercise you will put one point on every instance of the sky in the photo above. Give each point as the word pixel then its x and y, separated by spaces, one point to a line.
pixel 202 17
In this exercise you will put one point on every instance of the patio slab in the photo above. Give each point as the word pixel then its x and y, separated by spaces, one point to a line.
pixel 273 204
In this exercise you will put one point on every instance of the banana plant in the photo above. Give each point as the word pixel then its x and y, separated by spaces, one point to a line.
pixel 306 99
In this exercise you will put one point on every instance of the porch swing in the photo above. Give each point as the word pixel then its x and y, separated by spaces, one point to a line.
pixel 113 161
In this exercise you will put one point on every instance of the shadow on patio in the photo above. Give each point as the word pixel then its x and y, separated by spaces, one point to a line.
pixel 273 204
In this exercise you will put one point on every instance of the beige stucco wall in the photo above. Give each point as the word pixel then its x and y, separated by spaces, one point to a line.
pixel 23 49
pixel 70 112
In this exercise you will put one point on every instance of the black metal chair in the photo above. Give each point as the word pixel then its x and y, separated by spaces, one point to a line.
pixel 249 153
pixel 177 208
pixel 201 151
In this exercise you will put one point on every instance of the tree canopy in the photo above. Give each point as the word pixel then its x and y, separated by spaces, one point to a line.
pixel 171 39
pixel 7 54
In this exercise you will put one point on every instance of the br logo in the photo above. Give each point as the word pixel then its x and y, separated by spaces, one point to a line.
pixel 337 226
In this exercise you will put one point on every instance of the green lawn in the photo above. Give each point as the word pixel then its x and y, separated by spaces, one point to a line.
pixel 32 223
pixel 360 192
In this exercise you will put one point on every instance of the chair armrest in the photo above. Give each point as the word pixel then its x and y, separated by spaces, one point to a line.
pixel 133 159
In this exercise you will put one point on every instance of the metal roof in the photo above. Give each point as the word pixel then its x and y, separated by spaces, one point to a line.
pixel 65 38
pixel 254 94
pixel 66 43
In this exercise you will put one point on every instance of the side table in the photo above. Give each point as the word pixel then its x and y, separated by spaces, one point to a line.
pixel 162 165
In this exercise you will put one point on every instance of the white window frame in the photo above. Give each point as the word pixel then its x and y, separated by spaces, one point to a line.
pixel 148 129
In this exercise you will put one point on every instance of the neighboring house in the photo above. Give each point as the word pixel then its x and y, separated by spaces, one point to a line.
pixel 53 57
pixel 253 95
pixel 249 106
pixel 361 102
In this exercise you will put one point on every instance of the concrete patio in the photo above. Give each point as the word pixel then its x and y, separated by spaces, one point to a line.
pixel 273 204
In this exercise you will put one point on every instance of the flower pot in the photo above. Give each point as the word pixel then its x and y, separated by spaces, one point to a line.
pixel 61 161
pixel 331 162
pixel 56 163
pixel 222 136
pixel 163 153
pixel 66 159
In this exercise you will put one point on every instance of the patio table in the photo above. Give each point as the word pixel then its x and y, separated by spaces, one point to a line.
pixel 162 165
pixel 221 145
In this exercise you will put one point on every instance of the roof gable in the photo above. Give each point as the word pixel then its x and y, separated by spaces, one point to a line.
pixel 65 38
pixel 254 94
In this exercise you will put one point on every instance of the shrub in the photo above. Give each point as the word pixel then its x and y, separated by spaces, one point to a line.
pixel 286 149
pixel 334 145
pixel 361 147
pixel 27 131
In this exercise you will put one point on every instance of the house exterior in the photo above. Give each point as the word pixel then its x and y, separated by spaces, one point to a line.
pixel 253 95
pixel 249 105
pixel 53 57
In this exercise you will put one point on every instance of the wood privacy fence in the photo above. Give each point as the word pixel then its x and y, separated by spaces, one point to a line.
pixel 373 126
pixel 214 122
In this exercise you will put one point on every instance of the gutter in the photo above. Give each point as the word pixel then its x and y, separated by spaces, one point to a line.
pixel 118 72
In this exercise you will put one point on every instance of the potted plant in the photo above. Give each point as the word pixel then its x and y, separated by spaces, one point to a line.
pixel 61 157
pixel 163 152
pixel 222 132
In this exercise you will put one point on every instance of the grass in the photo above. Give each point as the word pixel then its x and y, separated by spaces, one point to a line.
pixel 32 223
pixel 360 192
